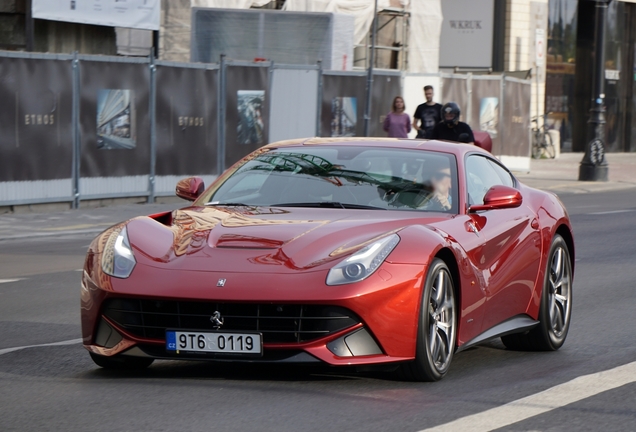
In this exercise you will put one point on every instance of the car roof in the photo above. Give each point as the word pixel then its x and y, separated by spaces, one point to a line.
pixel 458 149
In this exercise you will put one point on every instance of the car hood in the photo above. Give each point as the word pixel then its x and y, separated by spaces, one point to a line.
pixel 273 239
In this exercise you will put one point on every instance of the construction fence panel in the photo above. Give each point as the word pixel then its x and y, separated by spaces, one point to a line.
pixel 294 103
pixel 516 118
pixel 485 100
pixel 246 110
pixel 186 124
pixel 413 92
pixel 455 89
pixel 36 140
pixel 114 127
pixel 92 127
pixel 386 86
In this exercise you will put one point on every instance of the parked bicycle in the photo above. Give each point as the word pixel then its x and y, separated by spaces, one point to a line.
pixel 541 140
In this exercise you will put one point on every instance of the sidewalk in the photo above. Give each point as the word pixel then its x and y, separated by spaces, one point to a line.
pixel 561 175
pixel 83 221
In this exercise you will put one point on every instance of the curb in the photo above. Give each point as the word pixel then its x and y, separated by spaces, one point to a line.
pixel 51 234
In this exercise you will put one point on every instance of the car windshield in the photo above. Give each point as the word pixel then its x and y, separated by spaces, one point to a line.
pixel 342 177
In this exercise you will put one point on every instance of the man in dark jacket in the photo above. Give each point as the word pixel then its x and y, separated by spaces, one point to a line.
pixel 450 128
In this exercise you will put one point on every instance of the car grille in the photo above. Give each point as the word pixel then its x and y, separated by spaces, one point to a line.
pixel 278 323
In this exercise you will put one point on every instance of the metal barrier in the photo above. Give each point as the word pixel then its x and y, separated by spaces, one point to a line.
pixel 78 127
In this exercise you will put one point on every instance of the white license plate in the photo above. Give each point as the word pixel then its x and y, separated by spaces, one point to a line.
pixel 214 342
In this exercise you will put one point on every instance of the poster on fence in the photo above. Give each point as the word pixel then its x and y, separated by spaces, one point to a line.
pixel 35 120
pixel 342 105
pixel 485 100
pixel 114 120
pixel 247 110
pixel 489 116
pixel 250 128
pixel 344 116
pixel 186 121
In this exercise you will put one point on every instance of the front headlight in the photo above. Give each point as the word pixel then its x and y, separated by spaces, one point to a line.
pixel 118 259
pixel 363 263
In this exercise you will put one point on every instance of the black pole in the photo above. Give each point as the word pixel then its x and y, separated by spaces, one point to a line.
pixel 221 114
pixel 155 43
pixel 367 108
pixel 594 166
pixel 153 128
pixel 29 26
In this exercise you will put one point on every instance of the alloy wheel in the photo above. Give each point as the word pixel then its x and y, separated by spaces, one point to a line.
pixel 560 292
pixel 441 323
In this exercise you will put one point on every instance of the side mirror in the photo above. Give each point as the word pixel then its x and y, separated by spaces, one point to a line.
pixel 498 197
pixel 190 188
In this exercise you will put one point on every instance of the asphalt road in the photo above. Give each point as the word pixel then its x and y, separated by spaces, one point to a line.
pixel 59 388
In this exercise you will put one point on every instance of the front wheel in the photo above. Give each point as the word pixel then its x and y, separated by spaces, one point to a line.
pixel 548 146
pixel 537 147
pixel 556 305
pixel 437 329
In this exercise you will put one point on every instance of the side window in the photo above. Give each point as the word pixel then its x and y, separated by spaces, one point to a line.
pixel 504 175
pixel 481 175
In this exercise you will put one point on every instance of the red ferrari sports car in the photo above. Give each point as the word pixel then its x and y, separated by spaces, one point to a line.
pixel 341 251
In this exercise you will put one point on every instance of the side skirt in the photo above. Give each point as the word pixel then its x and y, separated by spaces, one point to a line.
pixel 517 324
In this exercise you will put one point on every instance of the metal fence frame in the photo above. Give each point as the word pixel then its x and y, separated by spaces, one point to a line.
pixel 75 195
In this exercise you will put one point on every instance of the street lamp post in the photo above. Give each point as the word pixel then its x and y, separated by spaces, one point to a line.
pixel 593 166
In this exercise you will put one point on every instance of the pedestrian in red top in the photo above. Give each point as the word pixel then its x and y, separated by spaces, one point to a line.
pixel 397 123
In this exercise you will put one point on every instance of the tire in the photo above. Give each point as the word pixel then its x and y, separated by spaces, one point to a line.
pixel 548 146
pixel 556 305
pixel 537 148
pixel 121 362
pixel 437 327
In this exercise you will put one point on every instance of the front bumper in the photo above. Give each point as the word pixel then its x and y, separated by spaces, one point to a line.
pixel 385 308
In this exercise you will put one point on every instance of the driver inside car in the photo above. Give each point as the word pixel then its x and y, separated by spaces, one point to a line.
pixel 440 199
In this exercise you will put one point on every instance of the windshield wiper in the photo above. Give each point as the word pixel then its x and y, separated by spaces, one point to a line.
pixel 328 204
pixel 228 204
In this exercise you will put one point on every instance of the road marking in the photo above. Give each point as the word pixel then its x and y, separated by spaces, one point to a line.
pixel 612 212
pixel 33 234
pixel 66 342
pixel 76 227
pixel 9 280
pixel 556 397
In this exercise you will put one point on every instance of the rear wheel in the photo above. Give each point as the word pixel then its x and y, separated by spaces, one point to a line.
pixel 437 326
pixel 121 362
pixel 556 305
pixel 537 148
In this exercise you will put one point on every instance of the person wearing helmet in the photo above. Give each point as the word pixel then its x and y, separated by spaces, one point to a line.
pixel 450 128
